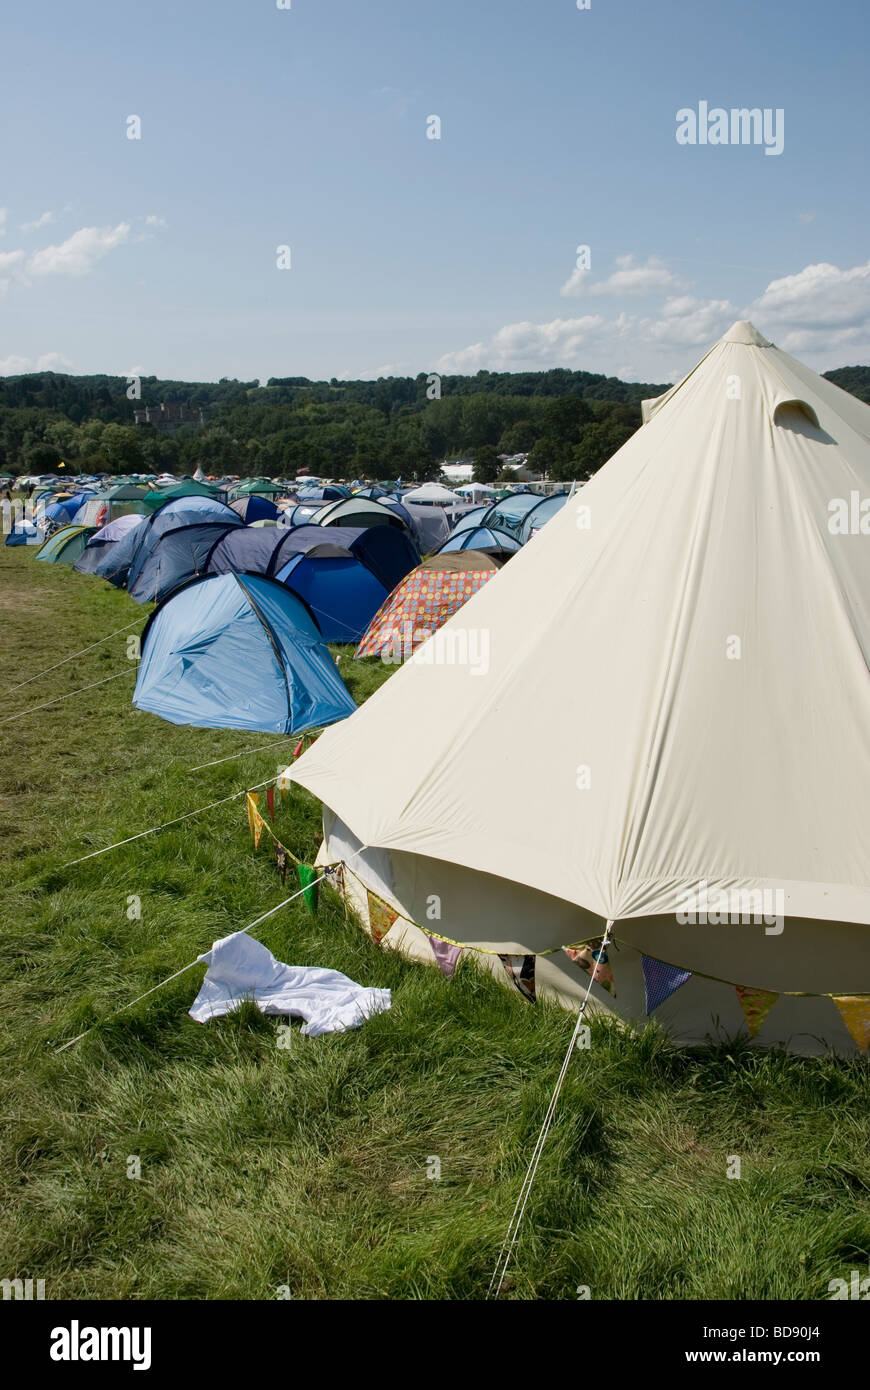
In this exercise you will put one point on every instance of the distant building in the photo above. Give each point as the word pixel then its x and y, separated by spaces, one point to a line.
pixel 169 417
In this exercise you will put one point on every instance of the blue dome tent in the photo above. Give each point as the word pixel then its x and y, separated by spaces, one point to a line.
pixel 344 573
pixel 254 507
pixel 510 513
pixel 124 562
pixel 238 651
pixel 473 517
pixel 102 542
pixel 176 557
pixel 480 538
pixel 25 532
pixel 538 516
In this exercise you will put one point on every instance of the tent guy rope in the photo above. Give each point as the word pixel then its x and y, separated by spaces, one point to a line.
pixel 32 709
pixel 72 657
pixel 174 976
pixel 154 829
pixel 513 1230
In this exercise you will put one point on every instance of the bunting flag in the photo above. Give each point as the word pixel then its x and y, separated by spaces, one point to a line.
pixel 298 749
pixel 270 802
pixel 855 1013
pixel 255 820
pixel 446 955
pixel 593 961
pixel 756 1005
pixel 521 971
pixel 307 877
pixel 381 917
pixel 281 859
pixel 660 981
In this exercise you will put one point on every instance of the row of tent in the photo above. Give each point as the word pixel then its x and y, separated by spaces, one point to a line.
pixel 214 652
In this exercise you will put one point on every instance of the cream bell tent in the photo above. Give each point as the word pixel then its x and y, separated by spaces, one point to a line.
pixel 675 715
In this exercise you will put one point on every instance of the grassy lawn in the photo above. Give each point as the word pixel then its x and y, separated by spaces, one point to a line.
pixel 307 1166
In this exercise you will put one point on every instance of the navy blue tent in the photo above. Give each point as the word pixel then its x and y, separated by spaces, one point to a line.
pixel 255 508
pixel 331 492
pixel 25 532
pixel 238 651
pixel 344 573
pixel 176 557
pixel 124 561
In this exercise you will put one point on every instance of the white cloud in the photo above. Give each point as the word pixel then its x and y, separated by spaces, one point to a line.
pixel 80 252
pixel 47 362
pixel 10 268
pixel 625 345
pixel 806 216
pixel 819 296
pixel 152 221
pixel 41 221
pixel 3 216
pixel 693 322
pixel 820 312
pixel 650 277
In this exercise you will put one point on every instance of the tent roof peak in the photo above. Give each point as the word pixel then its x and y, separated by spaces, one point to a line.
pixel 746 333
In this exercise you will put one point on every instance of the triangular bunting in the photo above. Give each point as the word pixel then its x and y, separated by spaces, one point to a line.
pixel 756 1005
pixel 593 961
pixel 270 802
pixel 660 981
pixel 381 917
pixel 855 1013
pixel 446 955
pixel 521 971
pixel 251 799
pixel 281 858
pixel 307 877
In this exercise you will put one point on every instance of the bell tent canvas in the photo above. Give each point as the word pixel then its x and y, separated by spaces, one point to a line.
pixel 676 713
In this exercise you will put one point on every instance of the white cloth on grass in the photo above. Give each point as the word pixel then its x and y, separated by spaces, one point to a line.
pixel 241 968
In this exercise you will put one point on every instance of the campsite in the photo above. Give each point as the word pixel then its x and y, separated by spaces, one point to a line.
pixel 143 834
pixel 435 677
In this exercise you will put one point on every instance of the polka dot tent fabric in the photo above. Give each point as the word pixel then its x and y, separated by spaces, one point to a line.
pixel 420 605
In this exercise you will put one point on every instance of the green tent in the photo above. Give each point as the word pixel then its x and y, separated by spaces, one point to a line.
pixel 66 545
pixel 262 486
pixel 126 492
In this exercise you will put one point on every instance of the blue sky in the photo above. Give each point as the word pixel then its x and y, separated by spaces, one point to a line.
pixel 307 127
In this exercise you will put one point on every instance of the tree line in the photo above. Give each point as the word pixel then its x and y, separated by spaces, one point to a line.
pixel 568 422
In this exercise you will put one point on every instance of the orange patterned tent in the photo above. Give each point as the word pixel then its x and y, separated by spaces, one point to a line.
pixel 424 600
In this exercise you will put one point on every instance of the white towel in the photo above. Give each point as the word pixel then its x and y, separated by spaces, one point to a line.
pixel 241 968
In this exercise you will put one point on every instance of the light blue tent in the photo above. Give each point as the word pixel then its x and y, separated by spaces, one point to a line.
pixel 538 516
pixel 480 538
pixel 470 519
pixel 510 513
pixel 238 651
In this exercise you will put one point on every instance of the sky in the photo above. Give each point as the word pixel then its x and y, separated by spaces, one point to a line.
pixel 308 127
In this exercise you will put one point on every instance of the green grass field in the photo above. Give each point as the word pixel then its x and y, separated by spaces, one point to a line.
pixel 306 1166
